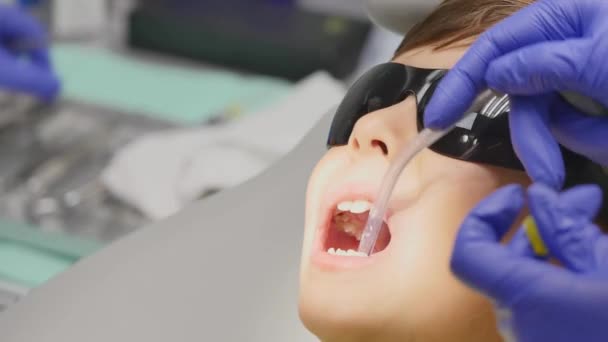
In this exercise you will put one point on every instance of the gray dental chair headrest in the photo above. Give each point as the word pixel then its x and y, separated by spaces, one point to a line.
pixel 225 269
pixel 399 15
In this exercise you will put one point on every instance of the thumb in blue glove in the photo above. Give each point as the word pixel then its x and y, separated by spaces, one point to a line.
pixel 24 62
pixel 538 301
pixel 552 45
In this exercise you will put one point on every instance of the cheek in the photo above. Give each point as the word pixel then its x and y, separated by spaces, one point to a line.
pixel 427 232
pixel 332 162
pixel 318 182
pixel 434 297
pixel 424 247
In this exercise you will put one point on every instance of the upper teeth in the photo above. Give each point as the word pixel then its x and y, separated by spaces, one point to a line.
pixel 355 207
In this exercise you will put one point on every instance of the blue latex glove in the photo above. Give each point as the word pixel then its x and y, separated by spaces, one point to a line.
pixel 552 45
pixel 538 301
pixel 25 65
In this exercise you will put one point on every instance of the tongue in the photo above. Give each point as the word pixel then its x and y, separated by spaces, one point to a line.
pixel 383 239
pixel 339 239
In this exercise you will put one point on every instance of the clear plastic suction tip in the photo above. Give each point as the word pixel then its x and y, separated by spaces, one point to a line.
pixel 424 139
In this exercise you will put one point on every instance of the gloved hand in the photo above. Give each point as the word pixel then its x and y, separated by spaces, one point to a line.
pixel 552 45
pixel 538 301
pixel 24 60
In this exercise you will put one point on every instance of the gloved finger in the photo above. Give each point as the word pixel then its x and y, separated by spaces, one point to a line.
pixel 40 57
pixel 541 68
pixel 28 78
pixel 520 245
pixel 533 141
pixel 16 23
pixel 478 258
pixel 565 223
pixel 540 21
pixel 23 34
pixel 35 55
pixel 580 133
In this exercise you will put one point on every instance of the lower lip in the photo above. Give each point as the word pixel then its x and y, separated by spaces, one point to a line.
pixel 330 262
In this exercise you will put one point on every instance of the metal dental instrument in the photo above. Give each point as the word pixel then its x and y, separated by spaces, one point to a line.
pixel 425 139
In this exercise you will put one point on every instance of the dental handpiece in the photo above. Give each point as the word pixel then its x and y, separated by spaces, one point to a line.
pixel 425 139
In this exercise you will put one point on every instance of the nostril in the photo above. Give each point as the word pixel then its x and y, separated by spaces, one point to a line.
pixel 356 144
pixel 381 145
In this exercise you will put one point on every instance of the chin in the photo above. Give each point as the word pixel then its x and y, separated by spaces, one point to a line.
pixel 333 322
pixel 331 319
pixel 404 291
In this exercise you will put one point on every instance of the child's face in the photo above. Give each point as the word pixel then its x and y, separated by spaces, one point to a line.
pixel 405 292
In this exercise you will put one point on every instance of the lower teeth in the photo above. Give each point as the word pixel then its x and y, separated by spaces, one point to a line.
pixel 349 252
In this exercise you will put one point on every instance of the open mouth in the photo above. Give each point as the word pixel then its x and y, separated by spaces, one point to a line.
pixel 346 226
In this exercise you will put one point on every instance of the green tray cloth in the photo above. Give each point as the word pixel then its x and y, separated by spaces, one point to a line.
pixel 30 257
pixel 181 95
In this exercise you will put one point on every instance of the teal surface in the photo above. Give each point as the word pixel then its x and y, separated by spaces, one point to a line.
pixel 101 77
pixel 28 266
pixel 30 257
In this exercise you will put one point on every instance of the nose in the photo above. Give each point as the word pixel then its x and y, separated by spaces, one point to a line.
pixel 373 134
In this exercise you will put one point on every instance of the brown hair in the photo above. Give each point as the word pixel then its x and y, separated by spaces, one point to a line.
pixel 455 21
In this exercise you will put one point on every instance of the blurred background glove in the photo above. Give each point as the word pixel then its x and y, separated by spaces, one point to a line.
pixel 538 301
pixel 25 65
pixel 552 45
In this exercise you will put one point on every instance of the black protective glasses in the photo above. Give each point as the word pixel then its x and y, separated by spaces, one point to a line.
pixel 483 138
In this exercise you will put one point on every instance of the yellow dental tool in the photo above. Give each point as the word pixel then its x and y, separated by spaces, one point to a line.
pixel 536 241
